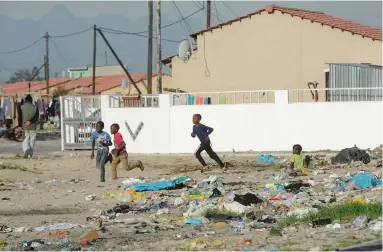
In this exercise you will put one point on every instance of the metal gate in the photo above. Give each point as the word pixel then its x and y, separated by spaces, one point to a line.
pixel 79 115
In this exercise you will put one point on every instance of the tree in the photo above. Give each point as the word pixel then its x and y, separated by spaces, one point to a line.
pixel 25 75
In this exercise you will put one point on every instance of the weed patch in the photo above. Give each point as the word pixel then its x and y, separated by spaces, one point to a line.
pixel 342 212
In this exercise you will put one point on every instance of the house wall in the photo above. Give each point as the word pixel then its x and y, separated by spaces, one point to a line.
pixel 107 70
pixel 78 73
pixel 270 51
pixel 250 127
pixel 142 85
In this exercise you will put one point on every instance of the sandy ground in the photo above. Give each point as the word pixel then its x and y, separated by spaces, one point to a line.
pixel 53 190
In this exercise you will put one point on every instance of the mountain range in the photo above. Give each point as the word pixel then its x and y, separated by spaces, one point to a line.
pixel 76 51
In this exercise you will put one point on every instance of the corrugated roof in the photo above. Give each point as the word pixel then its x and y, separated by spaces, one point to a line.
pixel 314 16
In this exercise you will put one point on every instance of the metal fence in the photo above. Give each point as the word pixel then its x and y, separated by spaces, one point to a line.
pixel 143 101
pixel 79 117
pixel 222 98
pixel 335 95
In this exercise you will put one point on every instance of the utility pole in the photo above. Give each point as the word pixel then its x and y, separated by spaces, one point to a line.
pixel 106 57
pixel 46 60
pixel 159 53
pixel 208 14
pixel 150 47
pixel 94 60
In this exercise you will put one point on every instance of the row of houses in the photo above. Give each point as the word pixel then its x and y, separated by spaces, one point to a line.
pixel 110 84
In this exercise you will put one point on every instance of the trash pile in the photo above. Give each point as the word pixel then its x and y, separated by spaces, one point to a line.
pixel 196 210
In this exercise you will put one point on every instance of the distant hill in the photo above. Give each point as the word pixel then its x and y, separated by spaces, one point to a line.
pixel 76 51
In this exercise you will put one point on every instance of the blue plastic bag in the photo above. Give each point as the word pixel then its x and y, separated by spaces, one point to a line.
pixel 268 159
pixel 160 185
pixel 365 180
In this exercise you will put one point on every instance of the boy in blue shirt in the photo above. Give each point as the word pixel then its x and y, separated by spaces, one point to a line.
pixel 203 132
pixel 102 141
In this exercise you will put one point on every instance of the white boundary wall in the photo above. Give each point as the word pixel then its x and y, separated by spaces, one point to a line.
pixel 251 127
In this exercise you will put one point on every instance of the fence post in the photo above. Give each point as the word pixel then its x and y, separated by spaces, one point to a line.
pixel 281 96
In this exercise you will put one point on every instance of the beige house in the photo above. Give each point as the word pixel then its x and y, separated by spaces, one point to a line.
pixel 274 48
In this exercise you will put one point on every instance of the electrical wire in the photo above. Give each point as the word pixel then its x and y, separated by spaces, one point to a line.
pixel 227 6
pixel 71 34
pixel 59 52
pixel 175 22
pixel 216 11
pixel 24 48
pixel 118 32
pixel 184 20
pixel 205 11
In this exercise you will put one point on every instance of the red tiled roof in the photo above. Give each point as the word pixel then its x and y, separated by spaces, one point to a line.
pixel 314 16
pixel 23 87
pixel 105 83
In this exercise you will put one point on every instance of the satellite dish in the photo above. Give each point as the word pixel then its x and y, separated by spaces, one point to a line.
pixel 124 83
pixel 184 50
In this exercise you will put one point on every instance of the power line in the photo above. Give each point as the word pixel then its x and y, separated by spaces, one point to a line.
pixel 59 52
pixel 24 48
pixel 216 11
pixel 186 23
pixel 175 22
pixel 118 32
pixel 227 6
pixel 71 34
pixel 199 6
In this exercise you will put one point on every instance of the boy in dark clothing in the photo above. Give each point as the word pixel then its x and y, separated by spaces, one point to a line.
pixel 203 132
pixel 102 141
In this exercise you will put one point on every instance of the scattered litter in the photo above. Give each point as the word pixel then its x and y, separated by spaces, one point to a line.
pixel 193 221
pixel 131 181
pixel 267 159
pixel 247 199
pixel 161 184
pixel 90 197
pixel 360 221
pixel 60 226
pixel 348 155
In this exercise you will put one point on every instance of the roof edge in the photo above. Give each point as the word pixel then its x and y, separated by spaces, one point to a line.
pixel 272 8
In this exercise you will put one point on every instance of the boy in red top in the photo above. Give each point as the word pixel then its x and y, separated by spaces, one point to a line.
pixel 119 153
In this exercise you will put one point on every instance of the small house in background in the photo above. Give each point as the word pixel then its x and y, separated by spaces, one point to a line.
pixel 79 72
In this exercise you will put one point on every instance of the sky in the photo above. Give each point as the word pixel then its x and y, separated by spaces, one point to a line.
pixel 369 12
pixel 130 16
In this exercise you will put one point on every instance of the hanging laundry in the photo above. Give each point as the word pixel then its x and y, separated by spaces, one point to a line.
pixel 7 108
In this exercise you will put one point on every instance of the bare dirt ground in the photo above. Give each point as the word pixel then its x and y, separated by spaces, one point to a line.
pixel 50 190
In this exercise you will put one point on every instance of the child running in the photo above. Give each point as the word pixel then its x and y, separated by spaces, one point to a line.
pixel 203 132
pixel 119 153
pixel 102 141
